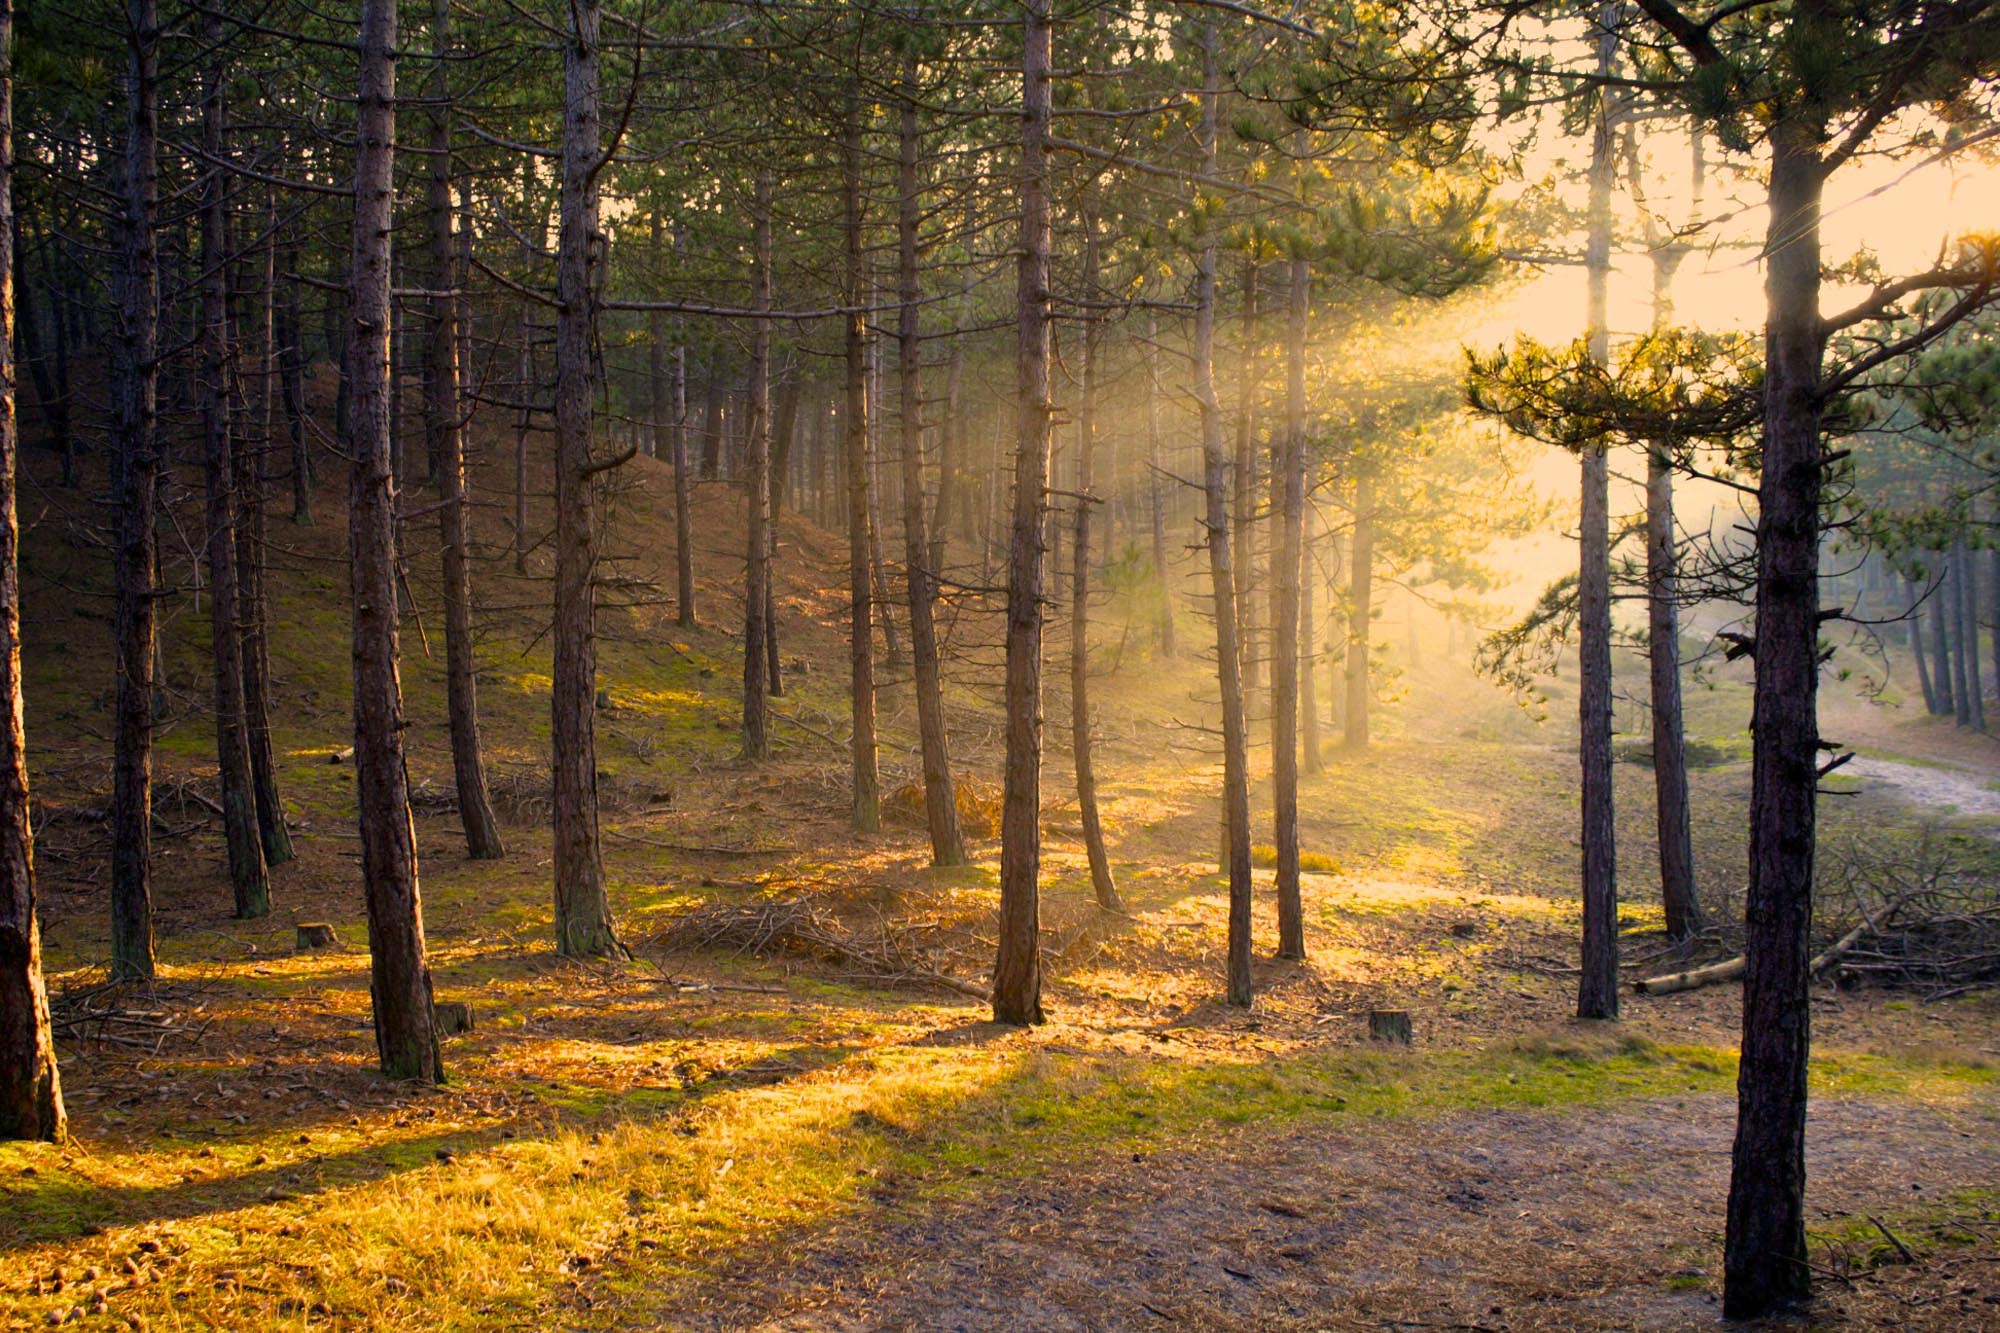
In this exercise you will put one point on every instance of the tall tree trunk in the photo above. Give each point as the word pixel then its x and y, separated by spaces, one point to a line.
pixel 248 879
pixel 1309 732
pixel 583 912
pixel 1670 781
pixel 757 494
pixel 1764 1259
pixel 136 472
pixel 861 623
pixel 292 383
pixel 784 423
pixel 31 1102
pixel 1156 492
pixel 1222 576
pixel 1915 635
pixel 1942 627
pixel 1360 614
pixel 444 442
pixel 1597 990
pixel 940 799
pixel 252 618
pixel 1017 968
pixel 1101 882
pixel 406 1037
pixel 1244 483
pixel 1288 553
pixel 1965 576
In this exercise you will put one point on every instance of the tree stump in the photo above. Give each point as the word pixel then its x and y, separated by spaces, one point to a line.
pixel 316 935
pixel 453 1017
pixel 1389 1025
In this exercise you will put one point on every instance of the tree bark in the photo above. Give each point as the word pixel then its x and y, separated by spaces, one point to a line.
pixel 1764 1257
pixel 1597 989
pixel 135 481
pixel 940 798
pixel 861 621
pixel 252 616
pixel 445 445
pixel 1017 969
pixel 1101 882
pixel 1244 483
pixel 1360 614
pixel 757 493
pixel 1156 488
pixel 31 1102
pixel 248 878
pixel 1287 551
pixel 583 911
pixel 1222 577
pixel 406 1041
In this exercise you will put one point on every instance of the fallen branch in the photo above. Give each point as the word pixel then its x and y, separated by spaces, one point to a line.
pixel 1714 973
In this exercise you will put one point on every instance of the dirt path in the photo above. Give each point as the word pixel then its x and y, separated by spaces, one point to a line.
pixel 1932 789
pixel 1603 1218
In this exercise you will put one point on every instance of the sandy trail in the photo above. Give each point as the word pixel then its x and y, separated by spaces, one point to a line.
pixel 1598 1218
pixel 1933 790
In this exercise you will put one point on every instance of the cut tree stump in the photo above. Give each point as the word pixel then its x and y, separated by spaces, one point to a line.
pixel 453 1016
pixel 341 755
pixel 316 935
pixel 1389 1025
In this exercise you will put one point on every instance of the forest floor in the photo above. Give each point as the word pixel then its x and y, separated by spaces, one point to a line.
pixel 756 1135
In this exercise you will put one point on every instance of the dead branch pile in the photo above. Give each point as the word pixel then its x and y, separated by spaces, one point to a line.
pixel 116 1013
pixel 1944 938
pixel 772 926
pixel 1916 914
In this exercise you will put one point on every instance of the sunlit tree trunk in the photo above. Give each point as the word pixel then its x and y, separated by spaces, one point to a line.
pixel 1222 577
pixel 861 625
pixel 406 1038
pixel 445 445
pixel 1101 882
pixel 1597 991
pixel 1309 733
pixel 1360 614
pixel 248 878
pixel 583 911
pixel 940 798
pixel 1017 970
pixel 1243 485
pixel 1156 492
pixel 31 1101
pixel 1287 551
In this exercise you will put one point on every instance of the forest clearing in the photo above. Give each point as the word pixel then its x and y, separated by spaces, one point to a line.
pixel 792 666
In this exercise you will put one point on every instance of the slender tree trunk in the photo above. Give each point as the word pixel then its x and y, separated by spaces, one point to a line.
pixel 1915 632
pixel 1288 554
pixel 136 471
pixel 940 799
pixel 406 1038
pixel 783 424
pixel 252 482
pixel 1360 614
pixel 684 610
pixel 1941 629
pixel 1244 484
pixel 31 1102
pixel 248 879
pixel 1017 969
pixel 445 444
pixel 1764 1260
pixel 861 625
pixel 757 494
pixel 583 911
pixel 1222 577
pixel 1101 882
pixel 1309 731
pixel 1953 590
pixel 1597 990
pixel 292 384
pixel 1965 577
pixel 1156 488
pixel 1670 782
